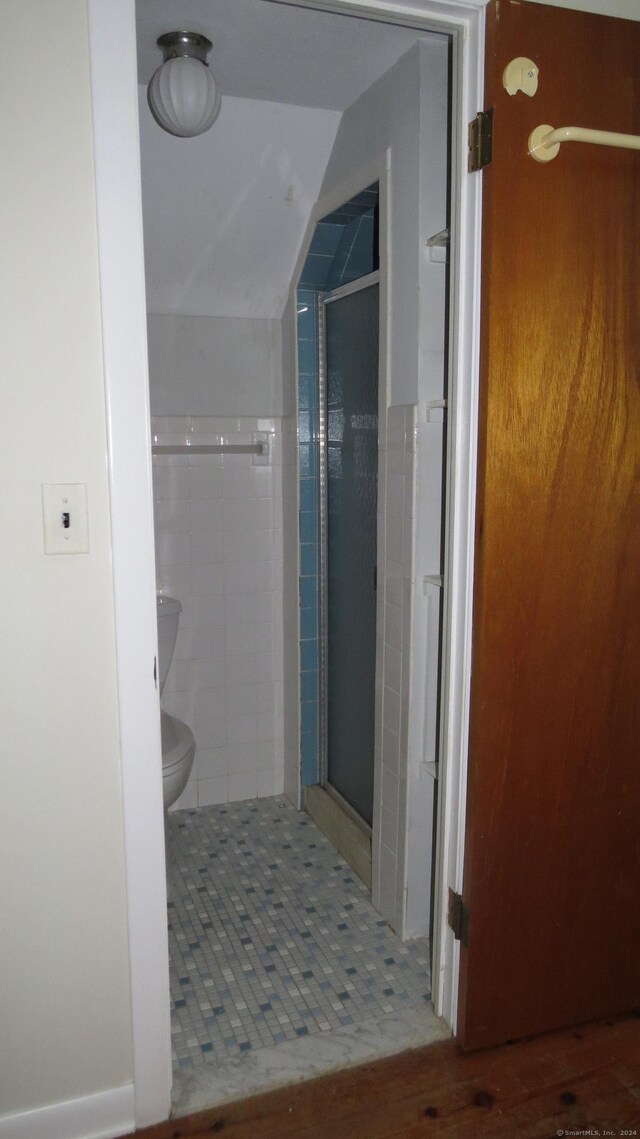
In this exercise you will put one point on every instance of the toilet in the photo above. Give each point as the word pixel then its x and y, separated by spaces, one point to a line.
pixel 178 744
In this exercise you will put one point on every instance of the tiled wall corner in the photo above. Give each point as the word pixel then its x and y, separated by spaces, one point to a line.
pixel 308 458
pixel 398 459
pixel 291 611
pixel 218 525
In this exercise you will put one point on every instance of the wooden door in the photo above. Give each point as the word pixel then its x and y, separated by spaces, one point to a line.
pixel 552 859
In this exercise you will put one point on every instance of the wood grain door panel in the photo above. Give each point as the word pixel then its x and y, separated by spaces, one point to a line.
pixel 552 860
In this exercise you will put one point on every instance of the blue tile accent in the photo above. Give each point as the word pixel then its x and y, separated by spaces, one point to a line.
pixel 310 720
pixel 306 315
pixel 355 255
pixel 308 594
pixel 308 687
pixel 307 426
pixel 309 656
pixel 361 255
pixel 308 624
pixel 308 527
pixel 306 390
pixel 307 353
pixel 325 239
pixel 316 270
pixel 308 453
pixel 308 498
pixel 309 559
pixel 309 717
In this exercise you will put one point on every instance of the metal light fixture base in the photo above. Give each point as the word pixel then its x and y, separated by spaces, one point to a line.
pixel 182 94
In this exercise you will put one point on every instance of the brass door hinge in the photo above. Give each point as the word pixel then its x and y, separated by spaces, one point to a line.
pixel 480 141
pixel 458 917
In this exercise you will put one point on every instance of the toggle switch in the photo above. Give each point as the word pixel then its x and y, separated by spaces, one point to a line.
pixel 65 518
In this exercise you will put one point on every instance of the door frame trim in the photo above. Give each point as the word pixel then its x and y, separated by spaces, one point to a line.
pixel 124 335
pixel 118 192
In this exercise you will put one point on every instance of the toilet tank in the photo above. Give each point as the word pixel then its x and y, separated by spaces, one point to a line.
pixel 169 610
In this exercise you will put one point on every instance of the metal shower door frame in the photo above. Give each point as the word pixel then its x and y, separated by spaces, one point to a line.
pixel 324 299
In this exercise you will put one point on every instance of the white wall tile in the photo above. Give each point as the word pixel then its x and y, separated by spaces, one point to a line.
pixel 207 578
pixel 242 785
pixel 207 545
pixel 240 699
pixel 243 757
pixel 398 461
pixel 209 702
pixel 241 728
pixel 240 639
pixel 212 763
pixel 211 731
pixel 205 480
pixel 213 791
pixel 172 549
pixel 269 782
pixel 241 669
pixel 219 551
pixel 240 481
pixel 387 883
pixel 239 547
pixel 240 576
pixel 205 516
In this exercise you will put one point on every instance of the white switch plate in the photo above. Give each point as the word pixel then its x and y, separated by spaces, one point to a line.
pixel 65 502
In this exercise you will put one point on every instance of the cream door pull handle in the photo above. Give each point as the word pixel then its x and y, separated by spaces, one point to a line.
pixel 545 141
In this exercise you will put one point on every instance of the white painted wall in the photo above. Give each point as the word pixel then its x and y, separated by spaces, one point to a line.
pixel 224 213
pixel 224 218
pixel 215 365
pixel 66 1014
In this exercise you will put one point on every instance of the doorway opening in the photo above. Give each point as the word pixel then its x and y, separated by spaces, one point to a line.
pixel 223 369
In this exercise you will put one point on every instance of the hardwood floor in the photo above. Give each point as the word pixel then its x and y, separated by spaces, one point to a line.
pixel 583 1081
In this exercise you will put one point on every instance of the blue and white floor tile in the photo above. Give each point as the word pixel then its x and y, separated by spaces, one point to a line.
pixel 273 940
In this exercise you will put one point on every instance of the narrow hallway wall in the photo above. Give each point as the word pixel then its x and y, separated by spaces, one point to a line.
pixel 66 1016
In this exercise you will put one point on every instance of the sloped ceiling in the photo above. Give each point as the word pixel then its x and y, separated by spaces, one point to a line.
pixel 277 52
pixel 225 213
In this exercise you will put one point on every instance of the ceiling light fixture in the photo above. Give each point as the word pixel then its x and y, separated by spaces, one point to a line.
pixel 182 94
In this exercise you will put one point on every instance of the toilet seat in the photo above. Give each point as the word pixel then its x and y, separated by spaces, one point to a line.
pixel 177 742
pixel 178 752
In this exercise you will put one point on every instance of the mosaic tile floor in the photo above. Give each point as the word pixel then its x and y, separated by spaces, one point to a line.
pixel 272 937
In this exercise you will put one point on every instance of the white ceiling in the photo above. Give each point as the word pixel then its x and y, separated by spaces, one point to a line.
pixel 225 213
pixel 277 52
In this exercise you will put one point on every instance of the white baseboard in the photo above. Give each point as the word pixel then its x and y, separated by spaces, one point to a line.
pixel 102 1116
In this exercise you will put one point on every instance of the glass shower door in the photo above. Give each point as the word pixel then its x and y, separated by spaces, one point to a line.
pixel 351 361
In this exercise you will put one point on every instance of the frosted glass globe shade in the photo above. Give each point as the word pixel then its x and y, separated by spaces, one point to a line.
pixel 183 97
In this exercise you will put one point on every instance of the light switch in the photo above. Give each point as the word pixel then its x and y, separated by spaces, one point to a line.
pixel 65 517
